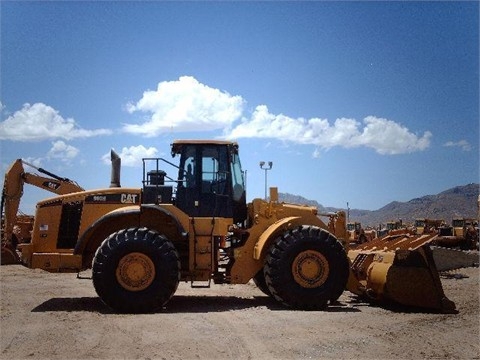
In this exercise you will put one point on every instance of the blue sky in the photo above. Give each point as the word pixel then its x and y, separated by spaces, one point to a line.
pixel 359 102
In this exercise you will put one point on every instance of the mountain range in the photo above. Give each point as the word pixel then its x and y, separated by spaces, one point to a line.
pixel 460 201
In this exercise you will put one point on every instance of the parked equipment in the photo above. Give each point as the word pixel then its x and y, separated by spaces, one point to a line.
pixel 463 233
pixel 428 226
pixel 358 235
pixel 197 227
pixel 400 268
pixel 16 227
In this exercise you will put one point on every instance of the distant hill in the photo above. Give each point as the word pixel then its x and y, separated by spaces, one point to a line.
pixel 460 201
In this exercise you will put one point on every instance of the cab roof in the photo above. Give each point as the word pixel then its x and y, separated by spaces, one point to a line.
pixel 177 145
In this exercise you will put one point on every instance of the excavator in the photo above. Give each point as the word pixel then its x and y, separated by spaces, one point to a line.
pixel 17 227
pixel 197 227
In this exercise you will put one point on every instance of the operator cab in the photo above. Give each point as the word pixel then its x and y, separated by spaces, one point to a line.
pixel 210 180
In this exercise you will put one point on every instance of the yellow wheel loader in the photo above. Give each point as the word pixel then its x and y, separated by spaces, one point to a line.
pixel 197 227
pixel 358 235
pixel 427 226
pixel 463 233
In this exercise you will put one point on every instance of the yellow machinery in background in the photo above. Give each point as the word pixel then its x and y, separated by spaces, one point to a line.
pixel 16 227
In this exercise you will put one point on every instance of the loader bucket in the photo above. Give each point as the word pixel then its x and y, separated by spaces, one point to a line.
pixel 398 268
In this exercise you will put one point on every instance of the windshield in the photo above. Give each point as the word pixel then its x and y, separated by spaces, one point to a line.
pixel 457 223
pixel 419 223
pixel 237 177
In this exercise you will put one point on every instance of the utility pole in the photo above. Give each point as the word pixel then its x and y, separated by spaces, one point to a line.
pixel 348 213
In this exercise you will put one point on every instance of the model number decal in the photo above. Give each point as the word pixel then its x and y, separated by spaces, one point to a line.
pixel 124 198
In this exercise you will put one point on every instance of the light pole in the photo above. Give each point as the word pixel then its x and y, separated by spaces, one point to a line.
pixel 262 164
pixel 348 213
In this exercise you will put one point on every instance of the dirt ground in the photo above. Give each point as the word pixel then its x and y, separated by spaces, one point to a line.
pixel 57 316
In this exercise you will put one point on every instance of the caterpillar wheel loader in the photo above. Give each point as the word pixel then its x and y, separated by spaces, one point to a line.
pixel 195 227
pixel 16 227
pixel 358 235
pixel 463 233
pixel 426 226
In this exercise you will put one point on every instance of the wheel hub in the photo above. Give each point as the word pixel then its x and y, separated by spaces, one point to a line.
pixel 135 271
pixel 310 269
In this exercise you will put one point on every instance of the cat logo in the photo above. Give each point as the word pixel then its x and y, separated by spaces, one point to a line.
pixel 128 198
pixel 51 185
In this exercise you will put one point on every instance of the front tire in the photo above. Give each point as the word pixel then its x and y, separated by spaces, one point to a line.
pixel 306 268
pixel 259 281
pixel 136 270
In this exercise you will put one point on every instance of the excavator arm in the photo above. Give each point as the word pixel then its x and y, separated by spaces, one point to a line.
pixel 15 178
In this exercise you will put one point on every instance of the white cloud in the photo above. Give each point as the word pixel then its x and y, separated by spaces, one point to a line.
pixel 184 105
pixel 42 122
pixel 187 105
pixel 62 151
pixel 133 155
pixel 464 144
pixel 388 137
pixel 382 135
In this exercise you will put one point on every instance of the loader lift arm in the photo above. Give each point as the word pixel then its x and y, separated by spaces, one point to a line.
pixel 12 192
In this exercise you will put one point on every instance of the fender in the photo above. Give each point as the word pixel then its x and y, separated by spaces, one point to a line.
pixel 276 228
pixel 152 216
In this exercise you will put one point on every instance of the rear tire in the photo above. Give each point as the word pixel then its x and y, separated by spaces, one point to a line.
pixel 306 268
pixel 136 270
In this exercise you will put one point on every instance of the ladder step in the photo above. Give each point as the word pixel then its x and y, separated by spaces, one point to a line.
pixel 207 285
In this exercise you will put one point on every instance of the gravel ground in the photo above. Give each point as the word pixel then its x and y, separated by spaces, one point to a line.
pixel 57 316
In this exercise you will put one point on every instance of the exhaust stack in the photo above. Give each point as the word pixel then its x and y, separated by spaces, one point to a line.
pixel 116 163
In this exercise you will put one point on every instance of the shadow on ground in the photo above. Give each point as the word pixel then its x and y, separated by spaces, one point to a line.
pixel 181 304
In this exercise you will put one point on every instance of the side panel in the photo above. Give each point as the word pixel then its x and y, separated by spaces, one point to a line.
pixel 60 221
pixel 69 225
pixel 46 226
pixel 98 204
